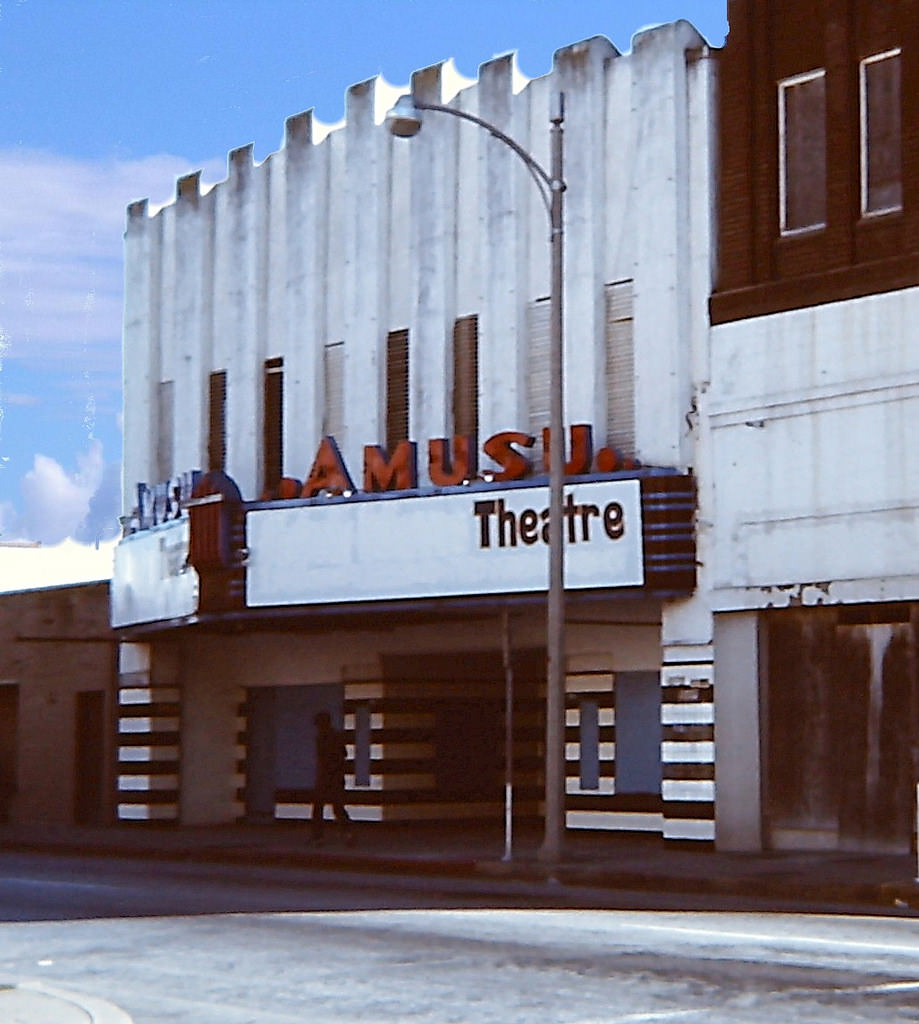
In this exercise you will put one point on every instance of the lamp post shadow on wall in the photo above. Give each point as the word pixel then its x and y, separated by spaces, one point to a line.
pixel 404 120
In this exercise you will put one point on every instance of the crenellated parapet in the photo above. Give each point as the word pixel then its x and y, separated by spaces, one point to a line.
pixel 347 234
pixel 367 102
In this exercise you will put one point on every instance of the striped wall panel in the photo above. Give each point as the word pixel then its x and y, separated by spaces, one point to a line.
pixel 242 755
pixel 394 771
pixel 421 717
pixel 409 778
pixel 148 749
pixel 668 534
pixel 591 800
pixel 239 778
pixel 688 751
pixel 365 731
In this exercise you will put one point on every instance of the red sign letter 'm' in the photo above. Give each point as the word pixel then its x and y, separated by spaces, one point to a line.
pixel 399 473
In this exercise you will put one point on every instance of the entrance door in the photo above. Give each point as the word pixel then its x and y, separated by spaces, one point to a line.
pixel 843 700
pixel 638 732
pixel 9 714
pixel 89 759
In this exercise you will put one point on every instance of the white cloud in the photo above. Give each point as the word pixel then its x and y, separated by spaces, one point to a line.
pixel 57 502
pixel 8 521
pixel 61 225
pixel 12 398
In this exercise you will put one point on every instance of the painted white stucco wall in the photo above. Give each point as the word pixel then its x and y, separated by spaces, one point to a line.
pixel 813 455
pixel 349 234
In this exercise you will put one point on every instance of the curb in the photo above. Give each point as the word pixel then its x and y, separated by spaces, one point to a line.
pixel 901 895
pixel 61 1005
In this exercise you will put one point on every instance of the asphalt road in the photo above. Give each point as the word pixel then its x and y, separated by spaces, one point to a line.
pixel 204 944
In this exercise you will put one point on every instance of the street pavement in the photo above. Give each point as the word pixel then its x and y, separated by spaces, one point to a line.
pixel 201 943
pixel 592 861
pixel 93 899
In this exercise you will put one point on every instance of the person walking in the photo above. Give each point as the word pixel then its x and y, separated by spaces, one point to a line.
pixel 330 775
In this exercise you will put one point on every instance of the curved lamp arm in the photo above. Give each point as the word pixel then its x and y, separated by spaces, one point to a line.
pixel 404 120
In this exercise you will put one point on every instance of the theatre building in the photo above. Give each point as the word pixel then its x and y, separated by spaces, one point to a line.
pixel 336 402
pixel 809 425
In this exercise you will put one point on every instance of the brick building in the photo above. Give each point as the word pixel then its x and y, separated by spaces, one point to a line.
pixel 808 425
pixel 58 674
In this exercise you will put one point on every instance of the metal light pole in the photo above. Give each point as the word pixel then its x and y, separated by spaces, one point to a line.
pixel 404 120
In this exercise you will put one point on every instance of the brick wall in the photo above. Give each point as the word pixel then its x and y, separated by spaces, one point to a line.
pixel 759 271
pixel 56 644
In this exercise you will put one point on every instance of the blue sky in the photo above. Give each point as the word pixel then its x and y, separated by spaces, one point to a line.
pixel 106 101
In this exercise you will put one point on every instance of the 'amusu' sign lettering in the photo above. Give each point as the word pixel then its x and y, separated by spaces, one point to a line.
pixel 450 463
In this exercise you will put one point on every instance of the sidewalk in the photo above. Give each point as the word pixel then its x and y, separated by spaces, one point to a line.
pixel 596 861
pixel 32 1002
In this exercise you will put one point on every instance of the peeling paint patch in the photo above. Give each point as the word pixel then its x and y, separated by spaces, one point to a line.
pixel 799 595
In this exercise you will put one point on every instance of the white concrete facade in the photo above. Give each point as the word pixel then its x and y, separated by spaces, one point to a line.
pixel 348 235
pixel 812 415
pixel 813 500
pixel 340 238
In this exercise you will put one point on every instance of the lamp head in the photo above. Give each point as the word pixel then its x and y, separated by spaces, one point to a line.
pixel 404 119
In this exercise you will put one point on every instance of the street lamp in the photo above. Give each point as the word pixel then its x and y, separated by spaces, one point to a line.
pixel 404 120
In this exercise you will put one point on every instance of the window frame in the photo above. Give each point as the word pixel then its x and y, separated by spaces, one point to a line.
pixel 864 140
pixel 783 85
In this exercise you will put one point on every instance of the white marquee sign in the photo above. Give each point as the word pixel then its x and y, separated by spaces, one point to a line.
pixel 447 545
pixel 151 581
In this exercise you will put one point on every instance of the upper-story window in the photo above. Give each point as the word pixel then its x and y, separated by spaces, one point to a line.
pixel 333 388
pixel 165 429
pixel 620 367
pixel 802 152
pixel 273 421
pixel 217 421
pixel 397 389
pixel 466 376
pixel 881 165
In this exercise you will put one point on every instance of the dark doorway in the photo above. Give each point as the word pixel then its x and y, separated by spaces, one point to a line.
pixel 468 749
pixel 89 756
pixel 843 700
pixel 451 709
pixel 260 771
pixel 9 714
pixel 281 744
